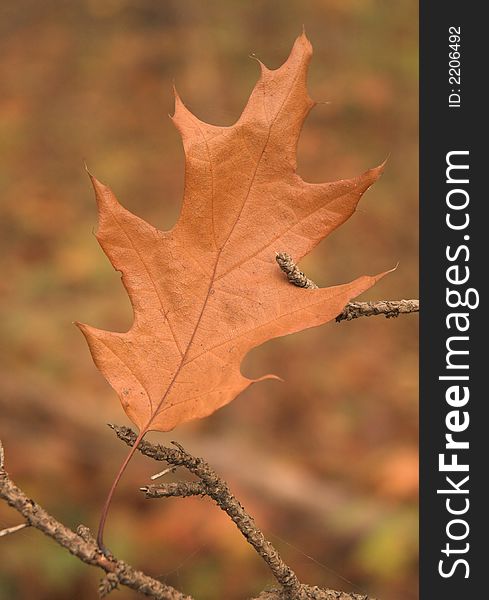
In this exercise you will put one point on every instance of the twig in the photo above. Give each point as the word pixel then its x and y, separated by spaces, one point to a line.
pixel 388 308
pixel 13 529
pixel 164 472
pixel 216 488
pixel 82 545
pixel 107 584
pixel 179 488
pixel 353 310
pixel 294 274
pixel 315 593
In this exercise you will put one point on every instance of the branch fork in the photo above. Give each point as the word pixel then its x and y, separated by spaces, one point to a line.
pixel 83 545
pixel 353 310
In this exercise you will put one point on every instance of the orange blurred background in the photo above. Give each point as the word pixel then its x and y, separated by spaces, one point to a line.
pixel 327 462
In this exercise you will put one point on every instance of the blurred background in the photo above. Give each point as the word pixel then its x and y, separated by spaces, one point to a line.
pixel 327 462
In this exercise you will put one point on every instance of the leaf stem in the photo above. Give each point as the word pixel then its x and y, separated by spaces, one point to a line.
pixel 110 495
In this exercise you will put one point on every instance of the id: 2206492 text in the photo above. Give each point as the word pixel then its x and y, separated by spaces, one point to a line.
pixel 454 67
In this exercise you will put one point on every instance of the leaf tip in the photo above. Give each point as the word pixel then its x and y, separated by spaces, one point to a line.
pixel 375 173
pixel 393 268
pixel 269 376
pixel 88 332
pixel 92 177
pixel 97 185
pixel 86 168
pixel 82 327
pixel 380 276
pixel 263 67
pixel 304 41
pixel 103 195
pixel 182 116
pixel 176 96
pixel 383 164
pixel 179 106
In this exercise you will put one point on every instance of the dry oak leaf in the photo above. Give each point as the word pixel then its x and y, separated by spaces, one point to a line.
pixel 209 290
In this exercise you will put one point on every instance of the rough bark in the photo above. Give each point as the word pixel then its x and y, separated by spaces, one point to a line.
pixel 82 545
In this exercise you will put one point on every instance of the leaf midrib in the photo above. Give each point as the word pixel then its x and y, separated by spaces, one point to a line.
pixel 218 256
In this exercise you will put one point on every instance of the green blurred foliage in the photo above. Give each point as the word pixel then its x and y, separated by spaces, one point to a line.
pixel 91 81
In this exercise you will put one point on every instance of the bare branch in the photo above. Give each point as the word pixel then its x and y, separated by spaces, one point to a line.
pixel 179 488
pixel 216 488
pixel 353 310
pixel 81 544
pixel 13 529
pixel 314 593
pixel 388 308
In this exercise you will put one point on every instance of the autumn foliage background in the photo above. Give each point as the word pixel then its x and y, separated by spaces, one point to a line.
pixel 327 462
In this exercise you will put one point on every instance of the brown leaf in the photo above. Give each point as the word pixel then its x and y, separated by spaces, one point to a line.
pixel 209 290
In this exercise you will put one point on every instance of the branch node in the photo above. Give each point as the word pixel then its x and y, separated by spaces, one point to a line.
pixel 82 545
pixel 353 310
pixel 294 274
pixel 179 446
pixel 107 584
pixel 216 488
pixel 84 532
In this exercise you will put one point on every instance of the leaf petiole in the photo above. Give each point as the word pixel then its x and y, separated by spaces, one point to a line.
pixel 110 495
